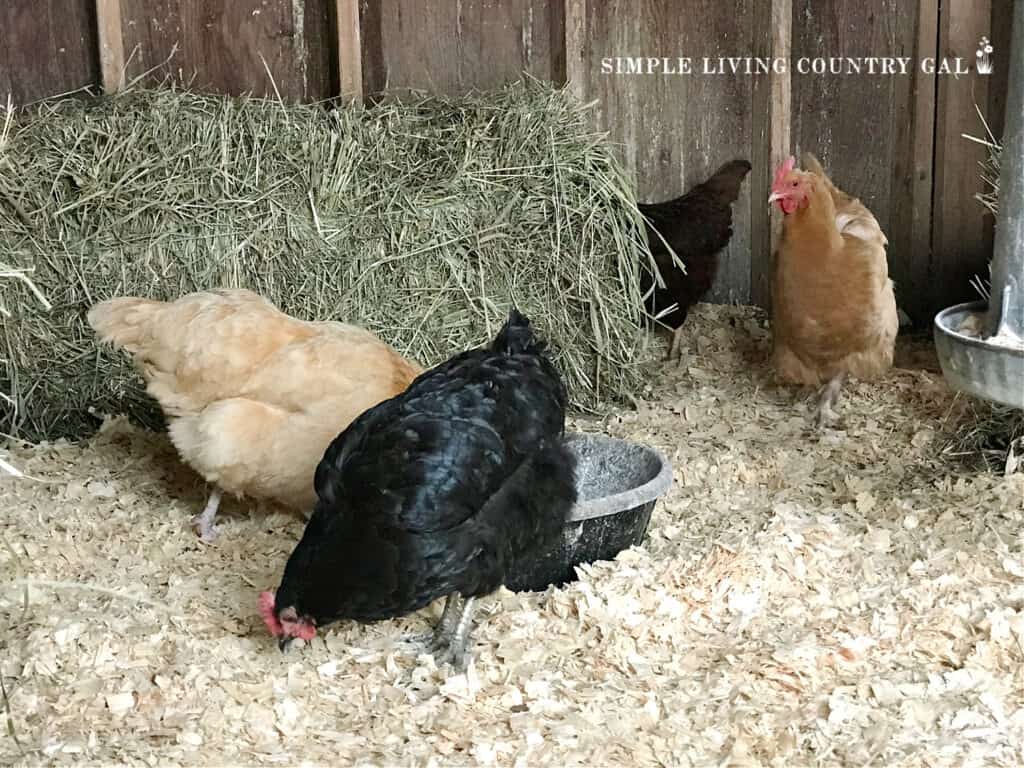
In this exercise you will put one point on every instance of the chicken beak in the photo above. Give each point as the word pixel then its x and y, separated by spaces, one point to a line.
pixel 773 197
pixel 284 641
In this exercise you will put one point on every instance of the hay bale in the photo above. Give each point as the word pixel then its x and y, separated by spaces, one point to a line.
pixel 422 220
pixel 9 273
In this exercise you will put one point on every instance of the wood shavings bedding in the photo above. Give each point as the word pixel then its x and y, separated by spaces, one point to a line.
pixel 802 600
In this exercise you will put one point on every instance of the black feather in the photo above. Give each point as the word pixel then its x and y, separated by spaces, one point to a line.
pixel 516 337
pixel 440 489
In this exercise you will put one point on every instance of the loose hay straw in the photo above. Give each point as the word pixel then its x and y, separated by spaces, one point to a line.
pixel 11 274
pixel 989 198
pixel 421 220
pixel 989 166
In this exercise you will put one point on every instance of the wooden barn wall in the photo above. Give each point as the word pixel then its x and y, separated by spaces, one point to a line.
pixel 676 129
pixel 894 141
pixel 870 131
pixel 451 47
pixel 231 46
pixel 47 47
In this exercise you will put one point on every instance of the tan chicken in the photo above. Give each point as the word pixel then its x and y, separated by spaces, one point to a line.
pixel 252 396
pixel 833 308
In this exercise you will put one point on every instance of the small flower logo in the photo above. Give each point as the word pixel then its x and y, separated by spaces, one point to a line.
pixel 984 57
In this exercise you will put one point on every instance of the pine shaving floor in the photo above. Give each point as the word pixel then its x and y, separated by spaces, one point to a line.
pixel 846 599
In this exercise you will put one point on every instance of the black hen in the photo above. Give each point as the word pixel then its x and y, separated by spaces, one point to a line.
pixel 698 226
pixel 435 492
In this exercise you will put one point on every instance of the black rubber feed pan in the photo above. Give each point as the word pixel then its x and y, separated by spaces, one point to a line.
pixel 619 483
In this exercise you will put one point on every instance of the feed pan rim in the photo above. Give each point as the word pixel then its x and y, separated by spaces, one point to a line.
pixel 942 326
pixel 626 500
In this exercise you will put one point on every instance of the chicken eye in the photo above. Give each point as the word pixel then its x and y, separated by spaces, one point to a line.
pixel 792 184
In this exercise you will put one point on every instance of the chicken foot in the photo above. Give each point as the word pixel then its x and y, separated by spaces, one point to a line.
pixel 828 400
pixel 203 522
pixel 450 638
pixel 450 641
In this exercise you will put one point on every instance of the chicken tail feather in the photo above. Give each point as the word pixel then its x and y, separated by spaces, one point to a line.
pixel 516 336
pixel 811 164
pixel 839 197
pixel 728 179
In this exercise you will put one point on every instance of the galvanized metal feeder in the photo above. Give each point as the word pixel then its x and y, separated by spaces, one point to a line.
pixel 981 349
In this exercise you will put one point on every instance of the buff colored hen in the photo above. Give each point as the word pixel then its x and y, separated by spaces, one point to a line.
pixel 833 308
pixel 252 396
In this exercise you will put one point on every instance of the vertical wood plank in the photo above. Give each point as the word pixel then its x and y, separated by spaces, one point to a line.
pixel 451 47
pixel 846 119
pixel 862 125
pixel 782 84
pixel 266 47
pixel 576 47
pixel 995 110
pixel 49 47
pixel 961 245
pixel 348 39
pixel 760 158
pixel 111 42
pixel 557 35
pixel 780 116
pixel 674 129
pixel 372 34
pixel 1001 26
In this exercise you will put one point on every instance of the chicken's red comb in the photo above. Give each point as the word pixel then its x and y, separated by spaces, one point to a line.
pixel 266 606
pixel 788 165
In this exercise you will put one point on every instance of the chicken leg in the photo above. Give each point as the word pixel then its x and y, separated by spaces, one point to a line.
pixel 441 641
pixel 451 638
pixel 445 628
pixel 673 350
pixel 204 522
pixel 828 400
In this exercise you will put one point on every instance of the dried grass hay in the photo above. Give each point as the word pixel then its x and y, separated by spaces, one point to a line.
pixel 422 220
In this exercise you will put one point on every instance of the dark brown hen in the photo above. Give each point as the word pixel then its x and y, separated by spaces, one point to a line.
pixel 697 225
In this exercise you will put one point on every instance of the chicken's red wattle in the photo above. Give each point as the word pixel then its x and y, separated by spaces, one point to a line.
pixel 266 606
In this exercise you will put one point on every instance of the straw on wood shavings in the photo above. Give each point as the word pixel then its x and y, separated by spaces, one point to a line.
pixel 803 599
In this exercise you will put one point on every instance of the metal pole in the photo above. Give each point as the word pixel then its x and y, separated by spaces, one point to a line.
pixel 1006 306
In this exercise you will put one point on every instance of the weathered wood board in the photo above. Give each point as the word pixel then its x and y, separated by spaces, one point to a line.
pixel 961 239
pixel 675 129
pixel 47 47
pixel 868 130
pixel 454 45
pixel 232 46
